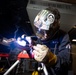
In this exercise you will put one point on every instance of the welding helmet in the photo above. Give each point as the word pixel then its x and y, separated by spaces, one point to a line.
pixel 46 22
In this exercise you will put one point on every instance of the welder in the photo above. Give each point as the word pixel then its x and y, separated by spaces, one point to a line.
pixel 53 46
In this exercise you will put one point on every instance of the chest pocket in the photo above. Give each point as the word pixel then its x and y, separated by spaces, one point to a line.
pixel 54 45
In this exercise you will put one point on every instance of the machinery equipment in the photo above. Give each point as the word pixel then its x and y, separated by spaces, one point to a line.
pixel 26 44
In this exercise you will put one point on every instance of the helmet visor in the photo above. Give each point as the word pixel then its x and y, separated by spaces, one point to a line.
pixel 44 19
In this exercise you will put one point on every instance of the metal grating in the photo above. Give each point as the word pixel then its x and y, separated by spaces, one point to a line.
pixel 53 4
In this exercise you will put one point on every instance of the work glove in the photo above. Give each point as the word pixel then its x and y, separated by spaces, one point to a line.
pixel 43 54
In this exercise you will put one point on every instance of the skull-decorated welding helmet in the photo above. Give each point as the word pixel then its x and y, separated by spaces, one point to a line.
pixel 44 22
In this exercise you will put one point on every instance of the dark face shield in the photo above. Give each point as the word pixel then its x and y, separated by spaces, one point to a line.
pixel 41 34
pixel 43 22
pixel 44 19
pixel 44 34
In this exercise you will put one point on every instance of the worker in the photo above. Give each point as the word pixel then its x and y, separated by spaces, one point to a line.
pixel 53 45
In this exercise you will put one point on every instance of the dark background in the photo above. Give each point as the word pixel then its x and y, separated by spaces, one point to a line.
pixel 14 18
pixel 13 15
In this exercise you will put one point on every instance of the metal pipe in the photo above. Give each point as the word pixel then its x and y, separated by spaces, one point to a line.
pixel 11 67
pixel 44 69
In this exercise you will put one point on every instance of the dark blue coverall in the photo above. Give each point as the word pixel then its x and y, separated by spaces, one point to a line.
pixel 60 45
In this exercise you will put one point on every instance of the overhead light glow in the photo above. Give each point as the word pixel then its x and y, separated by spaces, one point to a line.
pixel 74 40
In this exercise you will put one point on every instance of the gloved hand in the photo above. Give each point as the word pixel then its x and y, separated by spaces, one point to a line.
pixel 43 54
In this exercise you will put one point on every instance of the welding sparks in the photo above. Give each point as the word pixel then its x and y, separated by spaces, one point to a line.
pixel 21 42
